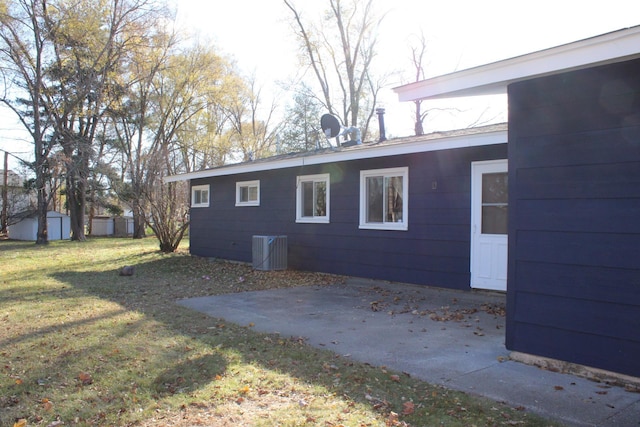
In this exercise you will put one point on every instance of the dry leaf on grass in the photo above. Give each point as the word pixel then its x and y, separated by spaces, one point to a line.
pixel 408 408
pixel 85 378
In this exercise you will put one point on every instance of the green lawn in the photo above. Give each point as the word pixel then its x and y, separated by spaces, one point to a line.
pixel 82 346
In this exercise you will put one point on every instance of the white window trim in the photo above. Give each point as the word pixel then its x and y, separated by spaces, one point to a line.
pixel 193 193
pixel 240 185
pixel 398 226
pixel 315 178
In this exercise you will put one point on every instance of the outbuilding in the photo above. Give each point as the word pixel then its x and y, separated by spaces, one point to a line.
pixel 58 227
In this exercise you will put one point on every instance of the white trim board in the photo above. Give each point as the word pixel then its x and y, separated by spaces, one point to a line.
pixel 357 153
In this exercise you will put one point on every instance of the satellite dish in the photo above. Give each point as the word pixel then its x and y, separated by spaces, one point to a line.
pixel 330 125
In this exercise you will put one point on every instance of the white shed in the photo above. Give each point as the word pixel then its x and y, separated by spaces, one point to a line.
pixel 102 226
pixel 58 227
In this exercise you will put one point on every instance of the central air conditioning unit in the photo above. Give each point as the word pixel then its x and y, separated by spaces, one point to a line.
pixel 269 252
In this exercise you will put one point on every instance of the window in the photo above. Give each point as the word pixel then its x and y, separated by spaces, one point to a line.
pixel 495 203
pixel 248 193
pixel 312 198
pixel 200 196
pixel 384 199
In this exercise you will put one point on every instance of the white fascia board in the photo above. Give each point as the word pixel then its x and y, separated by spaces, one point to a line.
pixel 236 169
pixel 495 77
pixel 447 143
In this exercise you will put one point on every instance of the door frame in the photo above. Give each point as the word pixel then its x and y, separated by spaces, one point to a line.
pixel 477 170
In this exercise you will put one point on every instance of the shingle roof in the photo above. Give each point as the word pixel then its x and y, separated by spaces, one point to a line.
pixel 484 135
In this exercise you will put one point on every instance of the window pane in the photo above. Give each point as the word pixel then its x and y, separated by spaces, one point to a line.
pixel 494 219
pixel 393 205
pixel 197 199
pixel 244 194
pixel 320 198
pixel 495 203
pixel 204 197
pixel 307 198
pixel 494 187
pixel 252 194
pixel 374 199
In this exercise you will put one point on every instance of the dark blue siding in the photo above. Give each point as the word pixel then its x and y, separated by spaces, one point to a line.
pixel 434 251
pixel 573 289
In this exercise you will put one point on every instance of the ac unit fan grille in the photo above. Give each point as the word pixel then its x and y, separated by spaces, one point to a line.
pixel 269 252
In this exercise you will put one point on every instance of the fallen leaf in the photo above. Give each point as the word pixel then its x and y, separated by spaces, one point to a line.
pixel 18 381
pixel 20 423
pixel 558 387
pixel 631 388
pixel 85 378
pixel 393 419
pixel 245 389
pixel 395 378
pixel 408 408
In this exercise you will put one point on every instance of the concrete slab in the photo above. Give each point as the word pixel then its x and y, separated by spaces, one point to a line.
pixel 451 338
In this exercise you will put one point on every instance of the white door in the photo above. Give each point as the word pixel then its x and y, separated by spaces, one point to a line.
pixel 489 212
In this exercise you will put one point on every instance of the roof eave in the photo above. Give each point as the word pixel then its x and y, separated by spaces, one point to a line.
pixel 494 78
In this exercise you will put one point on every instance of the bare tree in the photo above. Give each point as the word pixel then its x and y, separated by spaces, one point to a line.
pixel 417 60
pixel 340 52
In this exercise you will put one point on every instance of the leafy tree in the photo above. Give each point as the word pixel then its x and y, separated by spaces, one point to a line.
pixel 172 92
pixel 62 57
pixel 251 132
pixel 130 117
pixel 24 51
pixel 188 86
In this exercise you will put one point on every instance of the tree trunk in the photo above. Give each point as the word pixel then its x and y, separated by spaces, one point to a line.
pixel 139 221
pixel 43 235
pixel 5 195
pixel 418 128
pixel 76 205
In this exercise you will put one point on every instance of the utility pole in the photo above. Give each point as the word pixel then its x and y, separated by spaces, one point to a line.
pixel 5 196
pixel 4 217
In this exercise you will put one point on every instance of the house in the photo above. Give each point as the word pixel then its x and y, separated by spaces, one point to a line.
pixel 552 219
pixel 573 287
pixel 58 227
pixel 397 210
pixel 18 198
